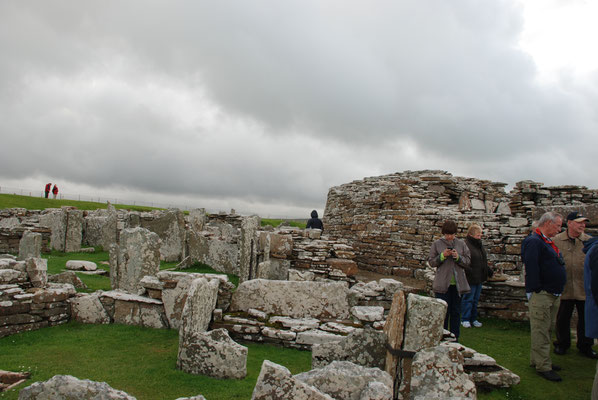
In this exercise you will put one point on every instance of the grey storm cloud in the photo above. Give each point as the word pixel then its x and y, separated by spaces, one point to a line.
pixel 276 101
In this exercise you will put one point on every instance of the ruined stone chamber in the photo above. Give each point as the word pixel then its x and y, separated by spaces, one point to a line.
pixel 390 222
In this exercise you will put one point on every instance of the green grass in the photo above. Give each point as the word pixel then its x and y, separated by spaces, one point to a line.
pixel 509 344
pixel 140 361
pixel 57 263
pixel 276 222
pixel 40 203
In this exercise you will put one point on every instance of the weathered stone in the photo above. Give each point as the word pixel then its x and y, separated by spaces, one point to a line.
pixel 295 275
pixel 278 333
pixel 368 313
pixel 296 324
pixel 313 337
pixel 376 391
pixel 68 277
pixel 274 269
pixel 293 298
pixel 53 293
pixel 30 245
pixel 213 354
pixel 87 309
pixel 137 255
pixel 12 276
pixel 365 347
pixel 248 248
pixel 170 228
pixel 276 382
pixel 37 270
pixel 348 267
pixel 200 303
pixel 281 246
pixel 424 322
pixel 80 265
pixel 344 380
pixel 437 373
pixel 74 231
pixel 71 388
pixel 197 219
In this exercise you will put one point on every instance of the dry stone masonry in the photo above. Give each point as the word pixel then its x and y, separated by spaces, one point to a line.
pixel 390 222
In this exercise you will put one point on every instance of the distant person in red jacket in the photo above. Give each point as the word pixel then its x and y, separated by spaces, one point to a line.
pixel 48 187
pixel 55 190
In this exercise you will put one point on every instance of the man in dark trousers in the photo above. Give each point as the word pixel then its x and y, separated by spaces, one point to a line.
pixel 571 243
pixel 545 278
pixel 314 222
pixel 48 187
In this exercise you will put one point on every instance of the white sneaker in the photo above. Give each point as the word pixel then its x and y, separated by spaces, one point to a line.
pixel 477 324
pixel 465 324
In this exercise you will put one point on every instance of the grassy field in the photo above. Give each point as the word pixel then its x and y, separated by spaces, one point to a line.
pixel 140 361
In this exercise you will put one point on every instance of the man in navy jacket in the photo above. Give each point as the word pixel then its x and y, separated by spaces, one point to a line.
pixel 545 278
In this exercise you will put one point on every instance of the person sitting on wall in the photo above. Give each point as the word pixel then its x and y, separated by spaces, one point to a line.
pixel 451 257
pixel 314 222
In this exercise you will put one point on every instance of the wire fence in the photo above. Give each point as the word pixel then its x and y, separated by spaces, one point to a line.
pixel 83 197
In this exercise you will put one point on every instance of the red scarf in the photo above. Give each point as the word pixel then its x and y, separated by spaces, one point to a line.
pixel 549 241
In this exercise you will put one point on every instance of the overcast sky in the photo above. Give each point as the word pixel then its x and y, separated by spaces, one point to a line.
pixel 262 106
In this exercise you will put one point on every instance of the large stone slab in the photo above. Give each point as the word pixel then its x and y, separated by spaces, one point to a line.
pixel 293 298
pixel 137 255
pixel 212 354
pixel 345 380
pixel 71 388
pixel 170 228
pixel 424 322
pixel 219 254
pixel 276 382
pixel 437 373
pixel 37 270
pixel 30 245
pixel 248 245
pixel 365 347
pixel 274 269
pixel 87 309
pixel 199 306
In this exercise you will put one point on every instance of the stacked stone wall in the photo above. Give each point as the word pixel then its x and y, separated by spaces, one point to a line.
pixel 391 221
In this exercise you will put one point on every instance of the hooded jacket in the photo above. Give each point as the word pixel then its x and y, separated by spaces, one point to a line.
pixel 590 279
pixel 314 222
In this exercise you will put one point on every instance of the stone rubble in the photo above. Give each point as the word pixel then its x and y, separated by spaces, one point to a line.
pixel 69 387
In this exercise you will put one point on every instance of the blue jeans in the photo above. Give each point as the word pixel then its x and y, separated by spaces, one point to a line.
pixel 469 304
pixel 452 320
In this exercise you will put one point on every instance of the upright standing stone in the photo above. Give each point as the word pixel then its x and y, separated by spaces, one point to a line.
pixel 248 258
pixel 56 221
pixel 37 270
pixel 197 219
pixel 110 228
pixel 213 354
pixel 424 322
pixel 199 306
pixel 137 255
pixel 276 382
pixel 30 245
pixel 438 374
pixel 394 327
pixel 170 227
pixel 74 231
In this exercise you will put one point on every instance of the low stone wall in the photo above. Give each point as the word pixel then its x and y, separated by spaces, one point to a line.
pixel 11 237
pixel 27 300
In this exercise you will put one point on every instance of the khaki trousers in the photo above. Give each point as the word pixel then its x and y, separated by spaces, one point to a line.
pixel 543 308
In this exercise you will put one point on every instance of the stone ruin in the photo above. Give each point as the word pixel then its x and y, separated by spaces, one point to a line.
pixel 390 222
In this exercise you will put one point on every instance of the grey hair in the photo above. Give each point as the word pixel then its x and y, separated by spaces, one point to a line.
pixel 550 216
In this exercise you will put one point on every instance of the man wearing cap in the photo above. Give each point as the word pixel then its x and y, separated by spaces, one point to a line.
pixel 570 243
pixel 545 278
